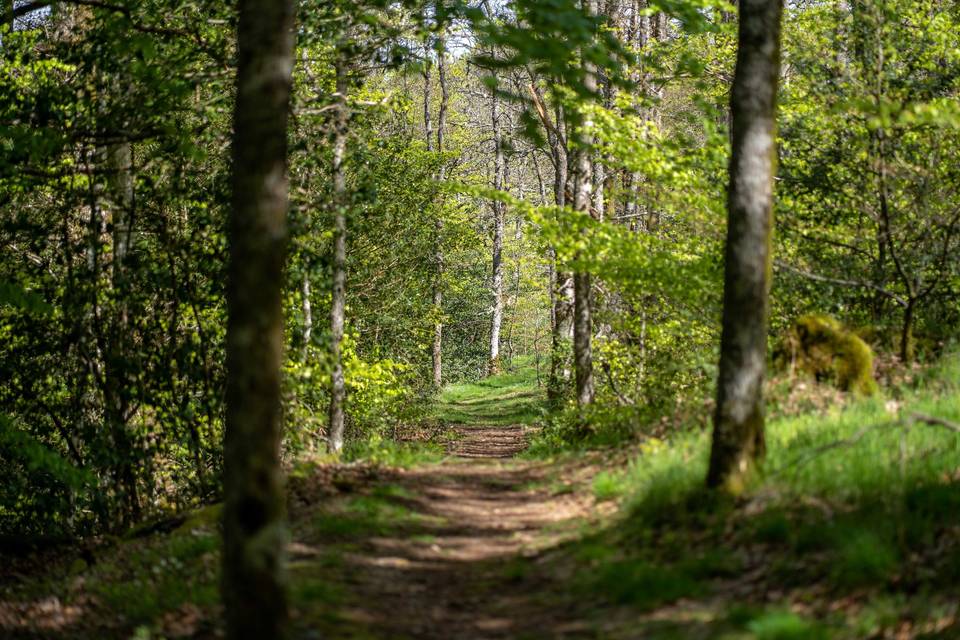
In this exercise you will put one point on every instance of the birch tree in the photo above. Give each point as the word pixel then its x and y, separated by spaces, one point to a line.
pixel 499 216
pixel 338 390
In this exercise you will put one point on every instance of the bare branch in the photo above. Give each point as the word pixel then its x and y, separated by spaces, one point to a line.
pixel 847 283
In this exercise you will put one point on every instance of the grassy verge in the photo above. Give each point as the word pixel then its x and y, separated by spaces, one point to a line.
pixel 852 531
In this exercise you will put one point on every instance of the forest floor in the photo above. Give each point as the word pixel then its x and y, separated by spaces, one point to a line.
pixel 444 550
pixel 489 542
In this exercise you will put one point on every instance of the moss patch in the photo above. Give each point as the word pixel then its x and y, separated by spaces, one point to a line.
pixel 819 346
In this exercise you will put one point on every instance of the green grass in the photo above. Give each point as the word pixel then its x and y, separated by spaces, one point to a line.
pixel 512 397
pixel 143 579
pixel 363 515
pixel 378 450
pixel 784 625
pixel 608 485
pixel 845 503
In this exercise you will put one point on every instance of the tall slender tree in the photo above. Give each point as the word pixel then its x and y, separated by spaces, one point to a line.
pixel 582 201
pixel 738 432
pixel 253 520
pixel 338 389
pixel 559 285
pixel 499 219
pixel 437 350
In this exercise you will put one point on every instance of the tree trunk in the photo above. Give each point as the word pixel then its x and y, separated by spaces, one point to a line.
pixel 338 389
pixel 599 206
pixel 444 89
pixel 561 291
pixel 906 332
pixel 738 433
pixel 307 317
pixel 119 161
pixel 582 201
pixel 119 199
pixel 499 213
pixel 427 122
pixel 438 223
pixel 253 520
pixel 582 329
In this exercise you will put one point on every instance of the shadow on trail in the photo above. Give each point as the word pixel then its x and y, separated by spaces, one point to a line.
pixel 481 441
pixel 435 552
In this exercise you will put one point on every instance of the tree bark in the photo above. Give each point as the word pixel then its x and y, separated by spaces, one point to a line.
pixel 119 199
pixel 444 89
pixel 427 121
pixel 738 433
pixel 582 194
pixel 119 161
pixel 499 214
pixel 307 317
pixel 906 332
pixel 253 520
pixel 438 223
pixel 561 291
pixel 338 391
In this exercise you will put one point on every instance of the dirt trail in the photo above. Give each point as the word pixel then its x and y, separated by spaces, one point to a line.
pixel 451 575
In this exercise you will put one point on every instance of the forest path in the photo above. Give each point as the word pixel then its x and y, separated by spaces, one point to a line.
pixel 442 550
pixel 464 546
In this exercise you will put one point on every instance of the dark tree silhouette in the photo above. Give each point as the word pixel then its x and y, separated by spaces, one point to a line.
pixel 254 529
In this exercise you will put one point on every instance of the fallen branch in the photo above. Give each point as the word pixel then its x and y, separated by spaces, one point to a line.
pixel 855 438
pixel 933 421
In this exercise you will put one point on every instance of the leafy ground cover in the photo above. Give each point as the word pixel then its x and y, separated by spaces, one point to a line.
pixel 853 531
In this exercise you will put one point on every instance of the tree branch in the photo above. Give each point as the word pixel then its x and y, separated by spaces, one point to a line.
pixel 847 283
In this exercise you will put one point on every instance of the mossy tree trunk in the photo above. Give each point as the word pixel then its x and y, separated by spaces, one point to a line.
pixel 253 520
pixel 906 332
pixel 738 433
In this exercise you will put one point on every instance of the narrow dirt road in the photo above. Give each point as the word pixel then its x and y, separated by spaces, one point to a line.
pixel 455 568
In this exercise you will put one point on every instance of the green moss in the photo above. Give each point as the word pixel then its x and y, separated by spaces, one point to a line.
pixel 206 518
pixel 819 346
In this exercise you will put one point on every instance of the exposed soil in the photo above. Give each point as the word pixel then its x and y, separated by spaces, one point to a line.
pixel 451 577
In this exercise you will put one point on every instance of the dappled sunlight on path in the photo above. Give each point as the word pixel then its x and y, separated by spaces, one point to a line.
pixel 446 565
